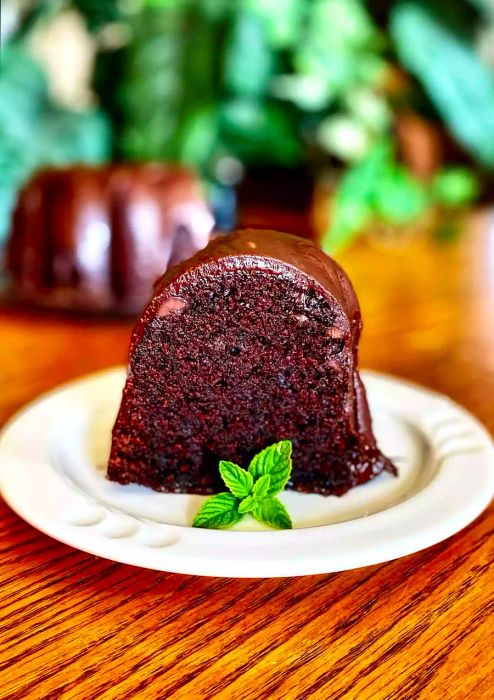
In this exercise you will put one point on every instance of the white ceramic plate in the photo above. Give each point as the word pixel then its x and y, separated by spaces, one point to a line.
pixel 52 473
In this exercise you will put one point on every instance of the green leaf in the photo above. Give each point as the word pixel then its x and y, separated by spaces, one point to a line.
pixel 455 187
pixel 149 104
pixel 272 512
pixel 456 80
pixel 339 42
pixel 72 137
pixel 353 200
pixel 23 86
pixel 261 487
pixel 197 137
pixel 344 136
pixel 281 18
pixel 252 491
pixel 247 504
pixel 248 58
pixel 370 108
pixel 238 480
pixel 218 512
pixel 276 461
pixel 259 132
pixel 399 198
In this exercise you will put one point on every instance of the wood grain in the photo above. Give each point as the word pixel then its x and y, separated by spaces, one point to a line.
pixel 78 627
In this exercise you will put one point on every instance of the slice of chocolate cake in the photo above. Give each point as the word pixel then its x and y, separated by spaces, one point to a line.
pixel 252 341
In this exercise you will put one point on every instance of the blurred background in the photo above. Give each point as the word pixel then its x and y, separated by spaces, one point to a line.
pixel 328 118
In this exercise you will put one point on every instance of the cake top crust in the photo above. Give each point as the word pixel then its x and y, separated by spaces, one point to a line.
pixel 267 250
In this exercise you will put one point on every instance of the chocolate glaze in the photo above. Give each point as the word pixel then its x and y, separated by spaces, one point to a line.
pixel 247 291
pixel 96 238
pixel 274 251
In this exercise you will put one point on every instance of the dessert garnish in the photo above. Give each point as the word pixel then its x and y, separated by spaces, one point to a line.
pixel 251 491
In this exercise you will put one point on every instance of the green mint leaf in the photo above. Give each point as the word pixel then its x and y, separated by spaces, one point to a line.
pixel 218 512
pixel 261 487
pixel 271 511
pixel 238 480
pixel 247 504
pixel 252 491
pixel 275 460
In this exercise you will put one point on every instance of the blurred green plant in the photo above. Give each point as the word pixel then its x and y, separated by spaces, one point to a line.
pixel 35 132
pixel 381 190
pixel 195 87
pixel 270 82
pixel 456 80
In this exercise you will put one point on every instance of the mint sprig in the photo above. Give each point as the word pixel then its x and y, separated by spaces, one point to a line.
pixel 251 491
pixel 276 461
pixel 236 479
pixel 219 511
pixel 272 512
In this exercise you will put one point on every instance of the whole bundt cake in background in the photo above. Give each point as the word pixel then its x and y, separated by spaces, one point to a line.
pixel 251 341
pixel 96 238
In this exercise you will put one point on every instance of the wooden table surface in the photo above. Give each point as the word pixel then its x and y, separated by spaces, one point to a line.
pixel 76 626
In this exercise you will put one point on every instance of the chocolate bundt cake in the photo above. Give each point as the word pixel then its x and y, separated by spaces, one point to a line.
pixel 97 238
pixel 252 341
